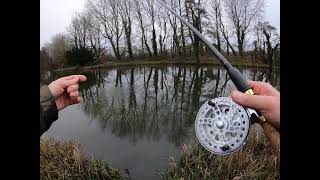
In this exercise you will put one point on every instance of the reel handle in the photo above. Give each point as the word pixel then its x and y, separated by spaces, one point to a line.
pixel 271 132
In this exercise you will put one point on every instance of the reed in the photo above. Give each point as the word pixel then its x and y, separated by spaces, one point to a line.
pixel 65 160
pixel 255 161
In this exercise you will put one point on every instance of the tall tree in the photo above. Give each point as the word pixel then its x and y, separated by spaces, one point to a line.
pixel 183 41
pixel 215 14
pixel 107 13
pixel 126 8
pixel 152 17
pixel 78 29
pixel 196 10
pixel 242 13
pixel 139 15
pixel 174 25
pixel 57 49
pixel 94 35
pixel 225 33
pixel 269 42
pixel 162 33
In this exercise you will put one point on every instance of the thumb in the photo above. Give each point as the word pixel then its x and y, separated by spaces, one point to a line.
pixel 251 101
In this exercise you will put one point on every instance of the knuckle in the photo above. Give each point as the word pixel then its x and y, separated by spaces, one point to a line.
pixel 69 90
pixel 72 94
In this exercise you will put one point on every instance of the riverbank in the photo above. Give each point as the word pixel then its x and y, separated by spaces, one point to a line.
pixel 254 161
pixel 65 160
pixel 175 62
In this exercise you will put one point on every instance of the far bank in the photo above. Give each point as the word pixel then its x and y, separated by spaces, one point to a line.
pixel 161 62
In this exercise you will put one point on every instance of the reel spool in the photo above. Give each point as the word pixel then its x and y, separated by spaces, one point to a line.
pixel 222 126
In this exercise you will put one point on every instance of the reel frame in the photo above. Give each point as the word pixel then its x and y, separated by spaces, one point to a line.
pixel 222 126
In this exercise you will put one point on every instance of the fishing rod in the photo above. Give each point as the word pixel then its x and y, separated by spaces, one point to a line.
pixel 222 126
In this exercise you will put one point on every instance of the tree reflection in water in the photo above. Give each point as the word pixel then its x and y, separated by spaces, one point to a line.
pixel 155 102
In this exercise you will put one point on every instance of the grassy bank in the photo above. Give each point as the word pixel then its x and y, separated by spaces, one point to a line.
pixel 254 161
pixel 159 62
pixel 64 160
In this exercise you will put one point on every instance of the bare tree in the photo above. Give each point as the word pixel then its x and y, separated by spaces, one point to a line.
pixel 188 18
pixel 107 13
pixel 57 48
pixel 268 43
pixel 162 32
pixel 78 29
pixel 125 12
pixel 183 41
pixel 119 25
pixel 196 10
pixel 225 33
pixel 215 16
pixel 140 18
pixel 94 36
pixel 85 34
pixel 242 13
pixel 152 17
pixel 174 25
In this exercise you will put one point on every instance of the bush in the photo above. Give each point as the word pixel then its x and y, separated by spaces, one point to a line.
pixel 80 56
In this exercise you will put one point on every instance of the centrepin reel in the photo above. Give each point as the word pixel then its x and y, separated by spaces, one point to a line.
pixel 222 126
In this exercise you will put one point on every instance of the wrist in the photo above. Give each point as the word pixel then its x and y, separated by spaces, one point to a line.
pixel 48 102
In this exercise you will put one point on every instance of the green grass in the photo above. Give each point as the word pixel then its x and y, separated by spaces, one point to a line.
pixel 255 161
pixel 64 160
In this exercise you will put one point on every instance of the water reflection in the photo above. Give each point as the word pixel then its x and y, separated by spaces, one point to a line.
pixel 135 118
pixel 155 102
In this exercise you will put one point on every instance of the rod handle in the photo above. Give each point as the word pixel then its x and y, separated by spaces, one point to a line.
pixel 273 136
pixel 271 132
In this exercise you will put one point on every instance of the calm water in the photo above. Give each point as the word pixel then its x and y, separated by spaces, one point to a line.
pixel 137 118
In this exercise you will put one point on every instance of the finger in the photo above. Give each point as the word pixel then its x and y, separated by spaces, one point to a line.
pixel 68 81
pixel 234 88
pixel 256 86
pixel 76 101
pixel 74 87
pixel 74 94
pixel 263 88
pixel 68 77
pixel 252 101
pixel 82 78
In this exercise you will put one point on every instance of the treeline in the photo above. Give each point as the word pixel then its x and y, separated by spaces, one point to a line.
pixel 136 29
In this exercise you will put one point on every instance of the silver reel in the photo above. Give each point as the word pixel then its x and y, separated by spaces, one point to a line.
pixel 222 126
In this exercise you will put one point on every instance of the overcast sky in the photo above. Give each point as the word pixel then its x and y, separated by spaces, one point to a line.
pixel 55 15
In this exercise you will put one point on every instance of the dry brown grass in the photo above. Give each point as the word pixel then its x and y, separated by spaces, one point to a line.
pixel 64 160
pixel 255 161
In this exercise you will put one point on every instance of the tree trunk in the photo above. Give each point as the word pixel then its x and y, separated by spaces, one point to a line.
pixel 182 31
pixel 127 29
pixel 154 41
pixel 240 43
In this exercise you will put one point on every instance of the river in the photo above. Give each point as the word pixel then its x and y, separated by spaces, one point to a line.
pixel 138 118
